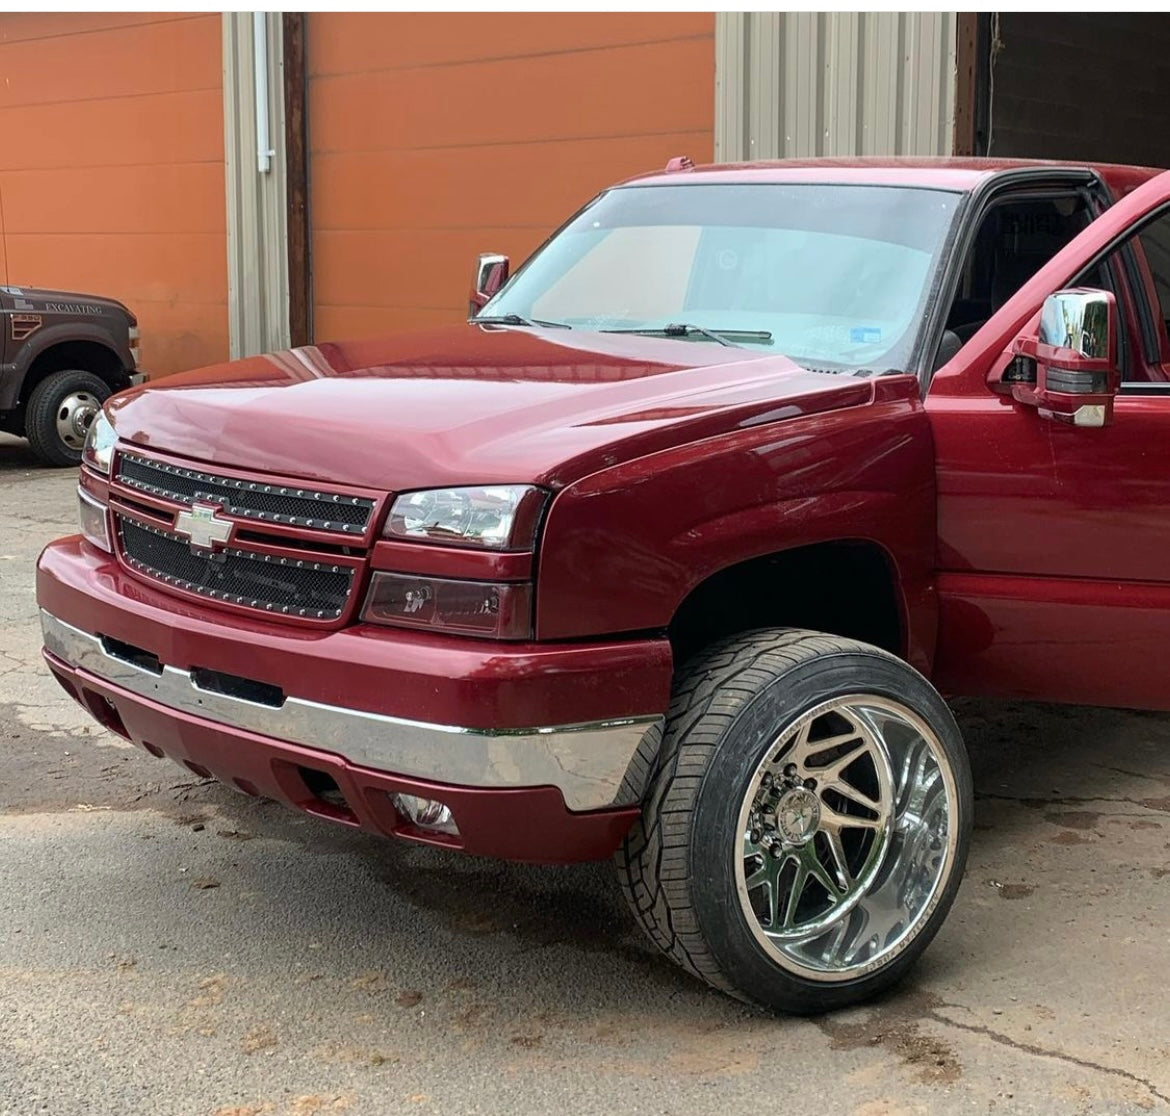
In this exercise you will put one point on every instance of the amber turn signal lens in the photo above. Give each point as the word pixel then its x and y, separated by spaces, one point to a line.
pixel 493 610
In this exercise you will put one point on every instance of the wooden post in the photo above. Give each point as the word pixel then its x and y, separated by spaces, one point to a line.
pixel 300 274
pixel 966 89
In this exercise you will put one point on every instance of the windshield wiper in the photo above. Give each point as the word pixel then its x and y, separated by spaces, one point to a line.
pixel 730 337
pixel 515 319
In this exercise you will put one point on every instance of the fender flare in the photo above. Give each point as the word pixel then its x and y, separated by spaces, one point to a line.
pixel 15 373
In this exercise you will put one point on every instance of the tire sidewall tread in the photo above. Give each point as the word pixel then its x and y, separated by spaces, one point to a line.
pixel 730 701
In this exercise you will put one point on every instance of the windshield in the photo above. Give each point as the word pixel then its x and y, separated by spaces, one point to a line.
pixel 831 276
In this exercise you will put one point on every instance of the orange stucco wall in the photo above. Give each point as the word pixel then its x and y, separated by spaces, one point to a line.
pixel 434 137
pixel 111 170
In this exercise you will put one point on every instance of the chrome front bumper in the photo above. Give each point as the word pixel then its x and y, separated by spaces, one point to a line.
pixel 594 766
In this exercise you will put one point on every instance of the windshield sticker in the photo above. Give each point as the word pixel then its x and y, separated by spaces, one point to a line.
pixel 865 335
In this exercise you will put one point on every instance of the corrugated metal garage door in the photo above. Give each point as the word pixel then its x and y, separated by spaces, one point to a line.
pixel 435 137
pixel 835 83
pixel 111 178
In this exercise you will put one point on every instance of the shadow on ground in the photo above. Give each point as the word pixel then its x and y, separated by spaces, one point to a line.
pixel 17 459
pixel 1047 764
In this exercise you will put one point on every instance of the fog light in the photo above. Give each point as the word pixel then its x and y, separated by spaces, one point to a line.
pixel 426 813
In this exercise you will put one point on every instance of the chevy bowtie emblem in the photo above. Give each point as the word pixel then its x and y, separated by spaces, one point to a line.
pixel 203 528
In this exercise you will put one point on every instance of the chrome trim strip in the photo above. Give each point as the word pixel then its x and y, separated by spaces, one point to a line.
pixel 593 765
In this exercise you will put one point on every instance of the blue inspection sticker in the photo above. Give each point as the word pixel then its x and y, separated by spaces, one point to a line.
pixel 865 335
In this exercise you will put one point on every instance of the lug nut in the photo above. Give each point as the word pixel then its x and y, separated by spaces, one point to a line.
pixel 810 784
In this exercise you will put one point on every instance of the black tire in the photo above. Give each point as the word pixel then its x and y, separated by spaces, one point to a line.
pixel 45 407
pixel 732 705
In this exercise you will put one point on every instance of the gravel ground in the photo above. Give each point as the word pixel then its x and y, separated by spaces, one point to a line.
pixel 171 947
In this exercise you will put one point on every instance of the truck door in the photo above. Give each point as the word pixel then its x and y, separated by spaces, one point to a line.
pixel 1054 538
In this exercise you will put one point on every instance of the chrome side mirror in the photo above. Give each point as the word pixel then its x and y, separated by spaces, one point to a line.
pixel 491 273
pixel 1079 320
pixel 1074 357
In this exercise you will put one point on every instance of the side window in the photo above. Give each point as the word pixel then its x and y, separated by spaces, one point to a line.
pixel 1154 242
pixel 1016 237
pixel 1143 301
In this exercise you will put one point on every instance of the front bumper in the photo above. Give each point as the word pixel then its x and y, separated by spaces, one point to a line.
pixel 348 706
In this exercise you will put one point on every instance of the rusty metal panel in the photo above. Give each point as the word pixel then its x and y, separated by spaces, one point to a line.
pixel 792 84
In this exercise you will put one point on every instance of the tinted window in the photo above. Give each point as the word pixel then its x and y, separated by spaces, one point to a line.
pixel 1016 238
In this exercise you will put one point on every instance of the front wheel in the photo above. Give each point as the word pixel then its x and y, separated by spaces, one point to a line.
pixel 60 410
pixel 806 829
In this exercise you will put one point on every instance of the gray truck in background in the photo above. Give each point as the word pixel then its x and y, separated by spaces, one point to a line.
pixel 62 354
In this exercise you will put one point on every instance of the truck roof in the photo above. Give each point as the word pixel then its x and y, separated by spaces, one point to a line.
pixel 938 173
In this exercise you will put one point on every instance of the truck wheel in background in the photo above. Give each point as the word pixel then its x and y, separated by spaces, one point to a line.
pixel 60 410
pixel 805 832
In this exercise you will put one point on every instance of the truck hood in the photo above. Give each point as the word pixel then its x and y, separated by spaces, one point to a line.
pixel 73 303
pixel 469 404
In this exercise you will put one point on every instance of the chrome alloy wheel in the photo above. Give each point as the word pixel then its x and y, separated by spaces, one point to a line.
pixel 74 415
pixel 845 838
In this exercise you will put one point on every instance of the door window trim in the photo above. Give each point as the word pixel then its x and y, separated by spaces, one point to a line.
pixel 1035 183
pixel 1122 245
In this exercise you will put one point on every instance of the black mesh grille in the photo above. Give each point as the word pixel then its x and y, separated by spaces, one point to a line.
pixel 270 503
pixel 288 586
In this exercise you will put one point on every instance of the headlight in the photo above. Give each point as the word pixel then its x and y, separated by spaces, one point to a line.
pixel 99 444
pixel 496 517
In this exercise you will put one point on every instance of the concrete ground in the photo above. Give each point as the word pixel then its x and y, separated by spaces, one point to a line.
pixel 170 947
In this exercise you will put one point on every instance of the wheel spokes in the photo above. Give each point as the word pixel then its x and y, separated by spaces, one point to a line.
pixel 783 904
pixel 849 791
pixel 831 774
pixel 817 871
pixel 833 820
pixel 767 876
pixel 920 782
pixel 795 893
pixel 804 748
pixel 840 862
pixel 849 816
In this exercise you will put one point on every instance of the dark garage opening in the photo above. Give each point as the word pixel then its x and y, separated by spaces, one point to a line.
pixel 1086 86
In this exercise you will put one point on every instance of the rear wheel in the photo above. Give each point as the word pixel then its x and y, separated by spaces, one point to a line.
pixel 60 410
pixel 805 832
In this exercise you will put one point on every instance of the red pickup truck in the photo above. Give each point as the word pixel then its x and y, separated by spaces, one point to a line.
pixel 668 553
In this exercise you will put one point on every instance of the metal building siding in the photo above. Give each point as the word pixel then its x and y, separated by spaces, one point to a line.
pixel 834 83
pixel 257 207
